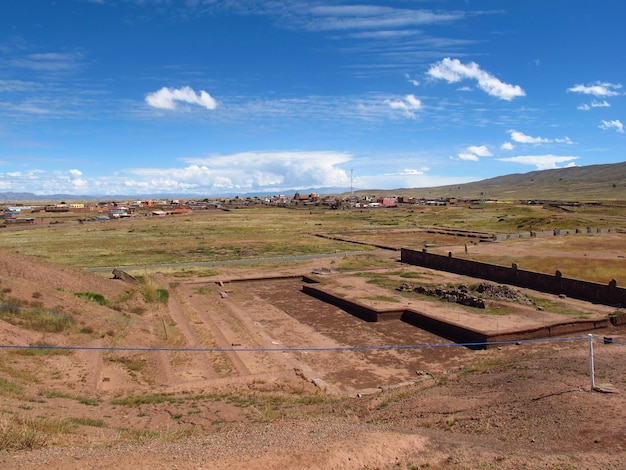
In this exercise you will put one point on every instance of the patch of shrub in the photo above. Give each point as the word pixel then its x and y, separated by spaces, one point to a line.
pixel 43 349
pixel 11 306
pixel 98 298
pixel 138 310
pixel 87 329
pixel 14 312
pixel 163 295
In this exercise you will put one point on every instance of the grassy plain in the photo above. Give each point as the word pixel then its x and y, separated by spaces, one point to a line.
pixel 266 232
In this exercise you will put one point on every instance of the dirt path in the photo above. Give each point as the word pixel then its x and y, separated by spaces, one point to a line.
pixel 185 368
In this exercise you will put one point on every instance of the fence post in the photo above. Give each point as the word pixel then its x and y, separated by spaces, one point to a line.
pixel 591 366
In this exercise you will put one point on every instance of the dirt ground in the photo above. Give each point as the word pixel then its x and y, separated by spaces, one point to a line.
pixel 236 372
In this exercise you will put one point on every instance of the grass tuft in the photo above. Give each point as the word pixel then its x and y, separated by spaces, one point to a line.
pixel 21 434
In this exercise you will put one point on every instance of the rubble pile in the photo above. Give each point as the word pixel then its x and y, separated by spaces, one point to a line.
pixel 463 295
pixel 460 295
pixel 499 292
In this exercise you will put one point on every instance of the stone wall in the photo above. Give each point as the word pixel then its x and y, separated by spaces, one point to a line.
pixel 354 308
pixel 607 294
pixel 549 233
pixel 452 331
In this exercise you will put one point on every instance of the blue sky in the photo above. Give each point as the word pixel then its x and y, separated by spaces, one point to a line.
pixel 135 97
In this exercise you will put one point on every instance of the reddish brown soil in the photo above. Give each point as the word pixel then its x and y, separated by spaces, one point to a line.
pixel 323 399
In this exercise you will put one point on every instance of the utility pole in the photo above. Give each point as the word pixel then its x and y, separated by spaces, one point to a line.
pixel 351 187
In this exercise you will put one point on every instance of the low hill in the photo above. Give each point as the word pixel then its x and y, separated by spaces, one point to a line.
pixel 581 183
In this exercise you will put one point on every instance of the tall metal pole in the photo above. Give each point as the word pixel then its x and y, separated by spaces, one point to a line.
pixel 591 366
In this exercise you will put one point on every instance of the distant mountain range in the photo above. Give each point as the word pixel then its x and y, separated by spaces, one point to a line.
pixel 580 183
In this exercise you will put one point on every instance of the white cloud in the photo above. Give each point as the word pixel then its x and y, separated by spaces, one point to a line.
pixel 453 71
pixel 541 162
pixel 76 180
pixel 412 171
pixel 599 89
pixel 49 61
pixel 507 146
pixel 408 105
pixel 594 104
pixel 473 153
pixel 166 98
pixel 412 81
pixel 266 170
pixel 481 150
pixel 615 124
pixel 351 17
pixel 413 102
pixel 522 138
pixel 247 172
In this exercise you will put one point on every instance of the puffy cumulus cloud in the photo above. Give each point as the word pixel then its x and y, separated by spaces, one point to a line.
pixel 276 169
pixel 248 172
pixel 167 98
pixel 409 104
pixel 77 181
pixel 42 182
pixel 480 150
pixel 453 71
pixel 507 146
pixel 541 162
pixel 473 152
pixel 522 138
pixel 598 89
pixel 616 124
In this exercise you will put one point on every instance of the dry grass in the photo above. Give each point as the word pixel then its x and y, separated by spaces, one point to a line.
pixel 174 244
pixel 27 433
pixel 273 232
pixel 588 269
pixel 203 237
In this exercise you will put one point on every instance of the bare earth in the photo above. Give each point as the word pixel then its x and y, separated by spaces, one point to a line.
pixel 258 375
